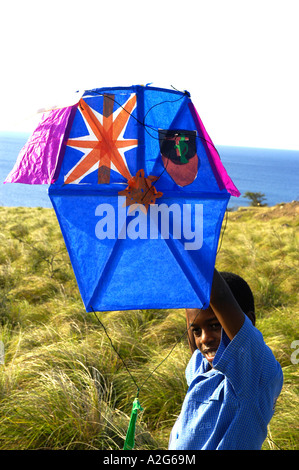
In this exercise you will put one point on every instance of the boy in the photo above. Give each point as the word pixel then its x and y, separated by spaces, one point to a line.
pixel 233 377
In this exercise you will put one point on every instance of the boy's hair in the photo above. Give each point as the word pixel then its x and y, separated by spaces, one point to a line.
pixel 240 290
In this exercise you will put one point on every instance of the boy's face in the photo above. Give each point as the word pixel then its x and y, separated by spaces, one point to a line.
pixel 206 330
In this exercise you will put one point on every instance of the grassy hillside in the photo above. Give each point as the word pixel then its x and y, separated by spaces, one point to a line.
pixel 62 385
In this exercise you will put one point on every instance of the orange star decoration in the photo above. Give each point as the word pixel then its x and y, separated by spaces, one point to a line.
pixel 103 149
pixel 140 191
pixel 104 145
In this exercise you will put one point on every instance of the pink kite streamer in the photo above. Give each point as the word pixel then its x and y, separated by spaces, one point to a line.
pixel 37 161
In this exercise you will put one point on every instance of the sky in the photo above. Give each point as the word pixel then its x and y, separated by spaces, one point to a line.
pixel 237 58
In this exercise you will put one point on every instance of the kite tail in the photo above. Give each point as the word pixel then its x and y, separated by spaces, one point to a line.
pixel 130 437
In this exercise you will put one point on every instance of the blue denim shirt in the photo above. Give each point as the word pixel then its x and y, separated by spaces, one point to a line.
pixel 229 406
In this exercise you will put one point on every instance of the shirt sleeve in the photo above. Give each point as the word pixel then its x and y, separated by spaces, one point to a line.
pixel 246 361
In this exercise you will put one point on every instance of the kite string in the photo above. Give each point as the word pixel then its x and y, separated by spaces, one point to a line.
pixel 114 348
pixel 168 354
pixel 223 231
pixel 147 126
pixel 142 123
pixel 158 365
pixel 163 360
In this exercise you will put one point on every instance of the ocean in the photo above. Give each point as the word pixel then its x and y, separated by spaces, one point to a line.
pixel 14 195
pixel 272 172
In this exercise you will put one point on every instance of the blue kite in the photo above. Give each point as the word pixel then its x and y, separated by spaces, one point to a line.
pixel 139 192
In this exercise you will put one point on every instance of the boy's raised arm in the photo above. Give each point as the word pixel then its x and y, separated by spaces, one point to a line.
pixel 225 306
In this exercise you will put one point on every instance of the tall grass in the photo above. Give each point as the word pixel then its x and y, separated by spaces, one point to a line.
pixel 63 386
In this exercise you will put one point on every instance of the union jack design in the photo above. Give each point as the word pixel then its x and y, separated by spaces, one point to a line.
pixel 105 145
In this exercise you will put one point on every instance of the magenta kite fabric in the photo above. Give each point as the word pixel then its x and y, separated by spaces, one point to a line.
pixel 223 180
pixel 38 159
